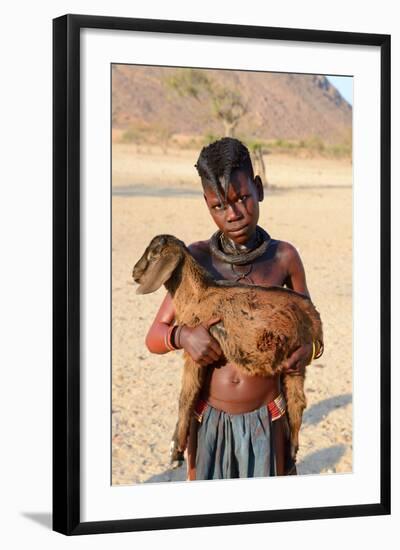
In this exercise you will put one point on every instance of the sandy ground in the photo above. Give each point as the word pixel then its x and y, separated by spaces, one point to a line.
pixel 176 169
pixel 312 209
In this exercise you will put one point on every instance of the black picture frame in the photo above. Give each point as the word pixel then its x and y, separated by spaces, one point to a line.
pixel 66 273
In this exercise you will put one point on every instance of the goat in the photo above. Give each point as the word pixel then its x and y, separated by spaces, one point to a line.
pixel 275 320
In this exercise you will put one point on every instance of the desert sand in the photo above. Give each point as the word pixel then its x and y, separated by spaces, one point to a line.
pixel 308 203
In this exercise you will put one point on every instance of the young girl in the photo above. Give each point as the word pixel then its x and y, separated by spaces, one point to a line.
pixel 239 428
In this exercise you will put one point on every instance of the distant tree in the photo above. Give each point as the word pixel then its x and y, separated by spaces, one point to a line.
pixel 226 103
pixel 229 108
pixel 164 134
pixel 257 152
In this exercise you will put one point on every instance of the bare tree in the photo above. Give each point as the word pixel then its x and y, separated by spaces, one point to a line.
pixel 228 107
pixel 257 152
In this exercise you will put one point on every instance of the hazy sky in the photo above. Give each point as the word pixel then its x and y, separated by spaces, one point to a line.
pixel 344 84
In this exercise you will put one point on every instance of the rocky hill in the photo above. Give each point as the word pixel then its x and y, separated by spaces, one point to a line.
pixel 280 105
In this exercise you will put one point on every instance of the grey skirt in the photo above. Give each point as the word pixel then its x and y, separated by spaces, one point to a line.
pixel 236 445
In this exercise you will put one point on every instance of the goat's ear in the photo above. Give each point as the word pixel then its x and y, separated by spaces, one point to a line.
pixel 157 274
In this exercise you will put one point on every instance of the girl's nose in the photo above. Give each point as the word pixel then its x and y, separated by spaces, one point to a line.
pixel 232 212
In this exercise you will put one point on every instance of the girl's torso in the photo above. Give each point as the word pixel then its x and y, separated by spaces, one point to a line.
pixel 226 387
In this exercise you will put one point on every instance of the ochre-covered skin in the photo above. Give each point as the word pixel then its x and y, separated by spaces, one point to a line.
pixel 226 386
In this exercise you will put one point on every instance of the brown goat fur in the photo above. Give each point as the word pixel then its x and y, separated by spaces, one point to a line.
pixel 274 320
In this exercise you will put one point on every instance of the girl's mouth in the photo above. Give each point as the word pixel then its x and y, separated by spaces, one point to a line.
pixel 238 231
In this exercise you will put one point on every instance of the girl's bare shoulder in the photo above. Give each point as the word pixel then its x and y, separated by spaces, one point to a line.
pixel 200 248
pixel 286 251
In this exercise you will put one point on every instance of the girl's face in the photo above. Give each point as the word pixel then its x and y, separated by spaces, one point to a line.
pixel 238 217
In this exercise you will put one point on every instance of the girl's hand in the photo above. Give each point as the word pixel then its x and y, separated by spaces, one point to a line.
pixel 295 365
pixel 200 345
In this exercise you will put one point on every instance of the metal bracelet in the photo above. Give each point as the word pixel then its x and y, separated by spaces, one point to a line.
pixel 167 339
pixel 178 336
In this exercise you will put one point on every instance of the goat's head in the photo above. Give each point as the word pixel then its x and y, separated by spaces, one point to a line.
pixel 158 263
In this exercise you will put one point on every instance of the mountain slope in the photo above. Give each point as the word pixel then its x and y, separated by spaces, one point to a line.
pixel 281 105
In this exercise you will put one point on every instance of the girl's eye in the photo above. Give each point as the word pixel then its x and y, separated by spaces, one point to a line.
pixel 240 199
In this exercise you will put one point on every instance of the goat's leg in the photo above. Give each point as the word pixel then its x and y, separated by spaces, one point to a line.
pixel 192 380
pixel 296 403
pixel 175 454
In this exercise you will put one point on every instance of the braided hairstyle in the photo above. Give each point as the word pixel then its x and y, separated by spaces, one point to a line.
pixel 217 161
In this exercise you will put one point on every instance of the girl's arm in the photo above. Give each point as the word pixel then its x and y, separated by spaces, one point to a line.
pixel 197 341
pixel 156 336
pixel 296 276
pixel 296 280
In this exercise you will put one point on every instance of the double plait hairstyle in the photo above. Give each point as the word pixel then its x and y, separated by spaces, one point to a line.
pixel 217 161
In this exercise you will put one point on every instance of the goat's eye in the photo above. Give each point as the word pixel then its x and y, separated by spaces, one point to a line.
pixel 243 198
pixel 217 207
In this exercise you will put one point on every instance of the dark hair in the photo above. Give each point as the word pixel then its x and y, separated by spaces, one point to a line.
pixel 217 161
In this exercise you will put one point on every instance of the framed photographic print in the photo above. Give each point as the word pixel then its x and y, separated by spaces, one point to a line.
pixel 260 156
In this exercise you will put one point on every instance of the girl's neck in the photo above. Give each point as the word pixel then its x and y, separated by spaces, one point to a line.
pixel 230 245
pixel 232 253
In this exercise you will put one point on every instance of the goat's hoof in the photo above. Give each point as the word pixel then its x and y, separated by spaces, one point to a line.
pixel 176 464
pixel 293 452
pixel 176 456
